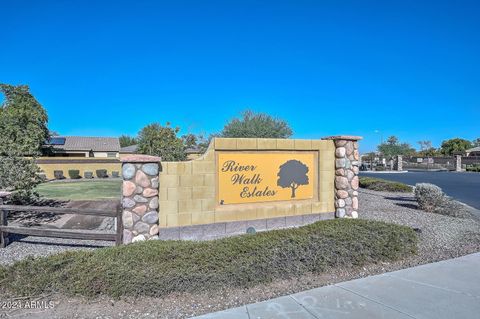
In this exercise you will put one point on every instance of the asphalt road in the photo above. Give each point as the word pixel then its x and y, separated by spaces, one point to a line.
pixel 464 187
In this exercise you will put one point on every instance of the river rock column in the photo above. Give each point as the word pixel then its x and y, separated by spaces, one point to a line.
pixel 399 163
pixel 458 163
pixel 347 161
pixel 140 198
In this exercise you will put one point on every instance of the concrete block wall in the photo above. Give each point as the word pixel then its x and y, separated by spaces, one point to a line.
pixel 187 191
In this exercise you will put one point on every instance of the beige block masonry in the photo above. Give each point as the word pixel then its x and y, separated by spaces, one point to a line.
pixel 187 190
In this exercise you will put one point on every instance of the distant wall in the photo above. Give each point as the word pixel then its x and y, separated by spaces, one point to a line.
pixel 50 164
pixel 188 191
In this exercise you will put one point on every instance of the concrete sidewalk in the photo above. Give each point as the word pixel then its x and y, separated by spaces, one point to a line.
pixel 446 289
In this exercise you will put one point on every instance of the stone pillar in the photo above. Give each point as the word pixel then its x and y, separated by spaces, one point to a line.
pixel 346 175
pixel 458 163
pixel 399 165
pixel 140 198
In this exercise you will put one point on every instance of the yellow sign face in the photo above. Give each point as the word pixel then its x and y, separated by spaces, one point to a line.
pixel 265 176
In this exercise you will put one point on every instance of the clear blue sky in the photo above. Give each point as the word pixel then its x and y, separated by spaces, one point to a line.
pixel 405 68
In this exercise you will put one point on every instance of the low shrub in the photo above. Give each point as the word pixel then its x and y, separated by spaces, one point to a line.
pixel 378 184
pixel 74 173
pixel 101 173
pixel 115 174
pixel 58 175
pixel 158 268
pixel 473 168
pixel 88 175
pixel 431 198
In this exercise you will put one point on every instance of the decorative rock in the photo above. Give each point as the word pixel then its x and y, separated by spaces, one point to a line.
pixel 348 163
pixel 140 199
pixel 341 182
pixel 340 152
pixel 342 194
pixel 128 171
pixel 149 192
pixel 339 143
pixel 142 179
pixel 135 218
pixel 127 236
pixel 127 219
pixel 355 203
pixel 340 212
pixel 150 168
pixel 139 190
pixel 356 155
pixel 142 228
pixel 140 210
pixel 355 183
pixel 154 230
pixel 150 217
pixel 340 163
pixel 340 172
pixel 138 238
pixel 128 202
pixel 354 214
pixel 340 203
pixel 348 201
pixel 154 182
pixel 350 175
pixel 154 238
pixel 153 203
pixel 349 148
pixel 128 188
pixel 355 193
pixel 355 170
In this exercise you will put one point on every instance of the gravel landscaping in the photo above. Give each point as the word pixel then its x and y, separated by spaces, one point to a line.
pixel 441 237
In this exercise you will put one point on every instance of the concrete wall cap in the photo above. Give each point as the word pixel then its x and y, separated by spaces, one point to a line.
pixel 343 137
pixel 141 159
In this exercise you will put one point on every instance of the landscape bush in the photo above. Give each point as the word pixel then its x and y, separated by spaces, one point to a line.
pixel 157 268
pixel 58 174
pixel 431 198
pixel 88 175
pixel 115 174
pixel 101 173
pixel 378 184
pixel 473 168
pixel 74 173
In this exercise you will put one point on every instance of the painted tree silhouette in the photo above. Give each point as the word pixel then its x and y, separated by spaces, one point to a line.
pixel 292 174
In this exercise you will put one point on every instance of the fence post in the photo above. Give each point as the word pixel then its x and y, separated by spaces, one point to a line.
pixel 346 175
pixel 458 163
pixel 3 221
pixel 119 225
pixel 140 198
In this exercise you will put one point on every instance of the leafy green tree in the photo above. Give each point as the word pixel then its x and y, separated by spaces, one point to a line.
pixel 126 140
pixel 476 142
pixel 455 145
pixel 196 141
pixel 259 125
pixel 158 140
pixel 426 149
pixel 23 131
pixel 393 147
pixel 23 122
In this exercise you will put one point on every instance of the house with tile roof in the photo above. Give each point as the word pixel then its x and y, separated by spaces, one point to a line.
pixel 82 146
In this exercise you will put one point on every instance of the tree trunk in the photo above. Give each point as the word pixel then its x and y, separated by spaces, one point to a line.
pixel 293 191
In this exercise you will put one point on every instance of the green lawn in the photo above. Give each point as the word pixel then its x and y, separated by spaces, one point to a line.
pixel 84 190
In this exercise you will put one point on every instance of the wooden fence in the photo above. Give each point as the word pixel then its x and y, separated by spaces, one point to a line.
pixel 59 233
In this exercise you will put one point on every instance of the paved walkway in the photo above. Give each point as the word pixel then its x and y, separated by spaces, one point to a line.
pixel 447 289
